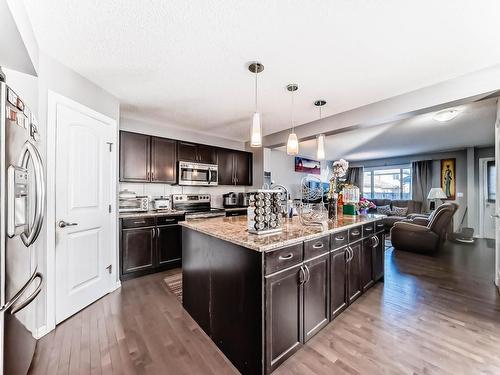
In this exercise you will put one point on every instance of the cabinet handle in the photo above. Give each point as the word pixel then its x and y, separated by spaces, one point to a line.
pixel 152 176
pixel 302 277
pixel 368 229
pixel 139 222
pixel 340 238
pixel 308 273
pixel 355 233
pixel 286 257
pixel 318 245
pixel 351 254
pixel 154 232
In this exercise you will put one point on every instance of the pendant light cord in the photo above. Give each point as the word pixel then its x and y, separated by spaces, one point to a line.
pixel 293 126
pixel 256 88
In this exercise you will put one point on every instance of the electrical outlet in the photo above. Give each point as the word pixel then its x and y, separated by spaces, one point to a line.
pixel 460 195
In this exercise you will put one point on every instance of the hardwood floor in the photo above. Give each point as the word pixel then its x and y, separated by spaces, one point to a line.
pixel 433 315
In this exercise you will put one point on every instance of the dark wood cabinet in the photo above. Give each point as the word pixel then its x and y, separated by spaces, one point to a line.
pixel 354 272
pixel 378 257
pixel 168 243
pixel 196 153
pixel 138 249
pixel 316 295
pixel 366 269
pixel 235 167
pixel 135 157
pixel 338 280
pixel 149 245
pixel 284 316
pixel 163 160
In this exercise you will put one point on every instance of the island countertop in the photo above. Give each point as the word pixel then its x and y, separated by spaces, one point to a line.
pixel 234 230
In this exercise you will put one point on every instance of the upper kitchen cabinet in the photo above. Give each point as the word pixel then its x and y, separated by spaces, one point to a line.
pixel 187 151
pixel 163 160
pixel 135 157
pixel 235 167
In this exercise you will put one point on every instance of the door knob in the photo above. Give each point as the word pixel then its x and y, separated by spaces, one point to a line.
pixel 64 224
pixel 495 216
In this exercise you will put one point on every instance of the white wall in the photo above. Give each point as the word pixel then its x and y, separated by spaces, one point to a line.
pixel 282 168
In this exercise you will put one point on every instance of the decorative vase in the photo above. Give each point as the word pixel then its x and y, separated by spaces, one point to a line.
pixel 332 199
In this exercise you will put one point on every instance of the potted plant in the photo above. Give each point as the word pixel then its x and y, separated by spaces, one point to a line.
pixel 364 205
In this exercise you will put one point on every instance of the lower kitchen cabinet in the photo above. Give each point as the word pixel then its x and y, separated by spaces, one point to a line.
pixel 366 274
pixel 378 256
pixel 169 244
pixel 354 272
pixel 316 295
pixel 149 248
pixel 338 281
pixel 284 315
pixel 138 249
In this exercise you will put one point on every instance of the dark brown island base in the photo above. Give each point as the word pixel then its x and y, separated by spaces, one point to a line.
pixel 260 298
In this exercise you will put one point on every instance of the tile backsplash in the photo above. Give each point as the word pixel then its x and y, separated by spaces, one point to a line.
pixel 156 190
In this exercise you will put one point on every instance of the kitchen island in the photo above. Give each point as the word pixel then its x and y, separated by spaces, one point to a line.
pixel 261 297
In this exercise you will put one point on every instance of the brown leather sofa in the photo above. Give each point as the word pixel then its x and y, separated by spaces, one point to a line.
pixel 414 207
pixel 410 235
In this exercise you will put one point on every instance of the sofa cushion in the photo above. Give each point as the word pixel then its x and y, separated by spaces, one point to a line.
pixel 414 207
pixel 399 211
pixel 383 210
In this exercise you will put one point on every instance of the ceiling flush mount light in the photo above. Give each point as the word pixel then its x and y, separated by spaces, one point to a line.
pixel 256 129
pixel 446 114
pixel 320 151
pixel 292 145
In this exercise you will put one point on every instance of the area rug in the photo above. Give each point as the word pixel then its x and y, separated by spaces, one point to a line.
pixel 174 284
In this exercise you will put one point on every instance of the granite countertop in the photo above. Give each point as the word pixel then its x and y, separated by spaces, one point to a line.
pixel 127 215
pixel 234 229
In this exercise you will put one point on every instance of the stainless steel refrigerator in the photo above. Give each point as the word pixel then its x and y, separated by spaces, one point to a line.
pixel 22 210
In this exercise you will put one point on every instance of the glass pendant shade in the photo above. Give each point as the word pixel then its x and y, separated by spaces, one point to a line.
pixel 320 153
pixel 292 146
pixel 256 132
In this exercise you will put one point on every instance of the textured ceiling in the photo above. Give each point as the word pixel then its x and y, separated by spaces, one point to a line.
pixel 474 126
pixel 183 63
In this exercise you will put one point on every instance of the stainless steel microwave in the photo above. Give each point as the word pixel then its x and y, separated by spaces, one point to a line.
pixel 197 174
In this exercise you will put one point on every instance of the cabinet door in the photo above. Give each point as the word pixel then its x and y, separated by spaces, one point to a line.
pixel 225 167
pixel 338 279
pixel 316 296
pixel 138 250
pixel 207 154
pixel 367 263
pixel 284 316
pixel 163 160
pixel 187 151
pixel 243 168
pixel 169 244
pixel 134 157
pixel 353 272
pixel 378 257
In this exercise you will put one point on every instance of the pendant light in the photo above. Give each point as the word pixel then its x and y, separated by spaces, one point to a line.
pixel 256 129
pixel 292 146
pixel 320 151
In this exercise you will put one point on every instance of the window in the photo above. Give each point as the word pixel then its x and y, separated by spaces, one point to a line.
pixel 491 176
pixel 387 182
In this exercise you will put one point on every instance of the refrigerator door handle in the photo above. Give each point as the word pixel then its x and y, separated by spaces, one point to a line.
pixel 29 151
pixel 11 305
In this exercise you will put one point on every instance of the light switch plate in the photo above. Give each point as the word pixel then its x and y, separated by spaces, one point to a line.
pixel 460 195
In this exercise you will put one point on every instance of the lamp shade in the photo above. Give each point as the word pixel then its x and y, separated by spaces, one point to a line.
pixel 256 131
pixel 436 193
pixel 320 152
pixel 292 146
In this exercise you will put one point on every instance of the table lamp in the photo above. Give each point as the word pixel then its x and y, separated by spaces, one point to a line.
pixel 435 194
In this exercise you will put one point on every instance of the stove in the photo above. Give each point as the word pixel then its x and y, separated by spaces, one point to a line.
pixel 196 206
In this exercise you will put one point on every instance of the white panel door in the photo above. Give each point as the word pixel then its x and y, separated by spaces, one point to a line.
pixel 83 189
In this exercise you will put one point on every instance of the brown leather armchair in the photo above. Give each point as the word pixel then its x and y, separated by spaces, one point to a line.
pixel 411 236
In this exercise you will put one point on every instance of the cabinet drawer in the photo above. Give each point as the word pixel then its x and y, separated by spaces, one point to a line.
pixel 165 220
pixel 355 234
pixel 283 258
pixel 368 229
pixel 318 246
pixel 138 222
pixel 379 225
pixel 339 239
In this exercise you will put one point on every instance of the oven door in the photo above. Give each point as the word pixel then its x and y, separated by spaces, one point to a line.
pixel 197 174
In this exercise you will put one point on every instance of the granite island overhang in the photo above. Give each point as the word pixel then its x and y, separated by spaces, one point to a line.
pixel 261 297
